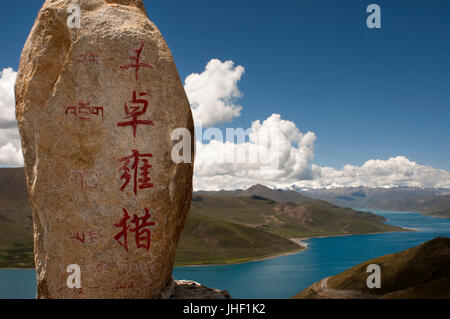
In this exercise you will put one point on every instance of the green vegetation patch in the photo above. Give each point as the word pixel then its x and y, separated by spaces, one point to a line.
pixel 18 256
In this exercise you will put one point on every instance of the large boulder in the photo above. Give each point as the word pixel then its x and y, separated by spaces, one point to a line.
pixel 96 108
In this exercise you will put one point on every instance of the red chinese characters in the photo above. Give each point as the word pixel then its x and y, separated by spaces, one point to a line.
pixel 124 285
pixel 83 111
pixel 133 112
pixel 135 169
pixel 141 230
pixel 86 177
pixel 86 58
pixel 92 236
pixel 136 64
pixel 140 171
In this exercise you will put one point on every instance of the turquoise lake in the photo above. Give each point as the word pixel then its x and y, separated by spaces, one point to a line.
pixel 285 276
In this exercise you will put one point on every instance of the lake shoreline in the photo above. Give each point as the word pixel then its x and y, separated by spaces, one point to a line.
pixel 286 276
pixel 401 211
pixel 17 269
pixel 404 229
pixel 256 259
pixel 299 241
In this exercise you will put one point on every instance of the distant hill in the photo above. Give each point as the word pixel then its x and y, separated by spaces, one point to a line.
pixel 222 227
pixel 13 184
pixel 15 211
pixel 290 220
pixel 281 196
pixel 435 202
pixel 230 225
pixel 419 272
pixel 209 240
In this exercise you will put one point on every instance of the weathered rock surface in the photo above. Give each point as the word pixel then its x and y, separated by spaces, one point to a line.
pixel 96 107
pixel 186 289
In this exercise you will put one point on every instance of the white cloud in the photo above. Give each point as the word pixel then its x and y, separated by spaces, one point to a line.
pixel 288 148
pixel 396 171
pixel 10 147
pixel 212 95
pixel 214 92
pixel 7 102
pixel 10 155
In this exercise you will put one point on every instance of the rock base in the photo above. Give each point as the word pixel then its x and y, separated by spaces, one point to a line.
pixel 186 289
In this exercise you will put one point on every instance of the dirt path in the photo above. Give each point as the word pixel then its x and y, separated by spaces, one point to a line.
pixel 321 291
pixel 324 283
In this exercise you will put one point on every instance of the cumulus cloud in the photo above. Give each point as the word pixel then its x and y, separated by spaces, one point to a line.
pixel 213 93
pixel 273 152
pixel 7 103
pixel 10 147
pixel 223 163
pixel 396 171
pixel 11 155
pixel 276 153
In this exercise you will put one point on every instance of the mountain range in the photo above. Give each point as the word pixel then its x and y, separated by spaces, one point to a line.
pixel 429 201
pixel 223 227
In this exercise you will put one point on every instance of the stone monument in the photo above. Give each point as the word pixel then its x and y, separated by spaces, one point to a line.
pixel 98 96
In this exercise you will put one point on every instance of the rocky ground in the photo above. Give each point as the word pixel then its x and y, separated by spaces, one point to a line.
pixel 185 289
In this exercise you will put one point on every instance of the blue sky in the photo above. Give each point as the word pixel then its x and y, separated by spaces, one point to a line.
pixel 366 94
